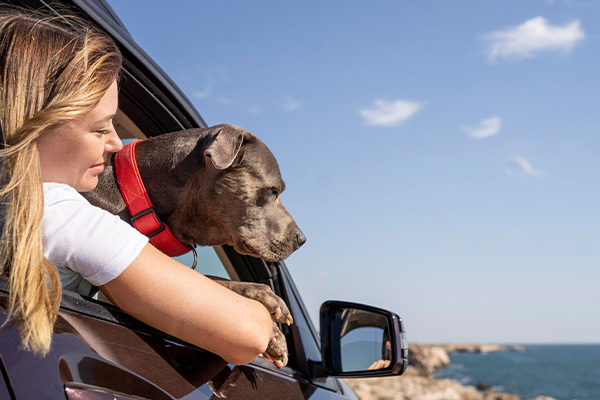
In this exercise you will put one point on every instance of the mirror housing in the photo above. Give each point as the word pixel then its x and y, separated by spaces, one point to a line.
pixel 361 341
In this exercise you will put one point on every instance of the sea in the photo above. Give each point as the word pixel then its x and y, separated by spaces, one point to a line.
pixel 565 372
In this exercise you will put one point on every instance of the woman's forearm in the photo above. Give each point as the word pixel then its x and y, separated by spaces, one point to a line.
pixel 171 297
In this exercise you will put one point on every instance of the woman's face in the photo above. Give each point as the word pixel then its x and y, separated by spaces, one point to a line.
pixel 74 152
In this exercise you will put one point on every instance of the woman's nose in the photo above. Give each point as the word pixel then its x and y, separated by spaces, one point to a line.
pixel 114 143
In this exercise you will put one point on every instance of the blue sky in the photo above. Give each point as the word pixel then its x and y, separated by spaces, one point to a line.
pixel 441 157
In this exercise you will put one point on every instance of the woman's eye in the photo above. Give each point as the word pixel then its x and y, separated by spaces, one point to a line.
pixel 102 131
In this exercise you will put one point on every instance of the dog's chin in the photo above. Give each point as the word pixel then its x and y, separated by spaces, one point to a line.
pixel 243 247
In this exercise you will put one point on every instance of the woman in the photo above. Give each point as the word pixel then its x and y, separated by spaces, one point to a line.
pixel 58 96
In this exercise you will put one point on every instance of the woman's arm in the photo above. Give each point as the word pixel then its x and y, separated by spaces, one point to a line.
pixel 169 296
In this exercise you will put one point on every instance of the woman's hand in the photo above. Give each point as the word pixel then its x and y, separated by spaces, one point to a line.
pixel 277 351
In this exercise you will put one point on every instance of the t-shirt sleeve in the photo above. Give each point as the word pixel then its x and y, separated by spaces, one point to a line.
pixel 85 238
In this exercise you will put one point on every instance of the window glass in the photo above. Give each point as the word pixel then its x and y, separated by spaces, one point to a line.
pixel 309 342
pixel 208 263
pixel 311 348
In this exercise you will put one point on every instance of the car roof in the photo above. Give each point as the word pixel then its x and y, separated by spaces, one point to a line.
pixel 106 8
pixel 140 66
pixel 145 86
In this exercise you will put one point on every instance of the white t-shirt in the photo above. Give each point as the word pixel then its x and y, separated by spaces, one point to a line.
pixel 86 243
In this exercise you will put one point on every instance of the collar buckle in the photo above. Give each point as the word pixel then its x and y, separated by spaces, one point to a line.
pixel 147 211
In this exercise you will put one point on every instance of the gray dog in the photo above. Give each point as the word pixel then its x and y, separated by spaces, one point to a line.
pixel 213 186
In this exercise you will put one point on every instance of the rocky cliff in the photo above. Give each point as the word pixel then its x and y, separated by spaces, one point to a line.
pixel 417 382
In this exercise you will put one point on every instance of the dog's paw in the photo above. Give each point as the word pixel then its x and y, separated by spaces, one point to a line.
pixel 277 348
pixel 264 295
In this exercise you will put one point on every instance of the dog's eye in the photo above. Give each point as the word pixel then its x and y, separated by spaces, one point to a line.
pixel 267 195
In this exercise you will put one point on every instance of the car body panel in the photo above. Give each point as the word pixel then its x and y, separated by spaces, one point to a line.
pixel 90 354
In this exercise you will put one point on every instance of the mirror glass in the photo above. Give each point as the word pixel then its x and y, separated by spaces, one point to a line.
pixel 364 340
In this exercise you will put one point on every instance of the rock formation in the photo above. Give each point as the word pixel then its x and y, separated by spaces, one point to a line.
pixel 417 382
pixel 427 358
pixel 414 386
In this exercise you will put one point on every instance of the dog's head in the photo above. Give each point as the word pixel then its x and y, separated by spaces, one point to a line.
pixel 236 198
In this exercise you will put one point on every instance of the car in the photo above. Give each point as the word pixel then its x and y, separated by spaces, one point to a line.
pixel 99 352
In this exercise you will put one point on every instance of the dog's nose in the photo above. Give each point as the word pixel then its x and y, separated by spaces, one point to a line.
pixel 300 239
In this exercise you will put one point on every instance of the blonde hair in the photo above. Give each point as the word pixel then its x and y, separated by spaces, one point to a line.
pixel 52 69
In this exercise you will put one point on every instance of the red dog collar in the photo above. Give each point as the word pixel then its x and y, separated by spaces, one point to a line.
pixel 143 216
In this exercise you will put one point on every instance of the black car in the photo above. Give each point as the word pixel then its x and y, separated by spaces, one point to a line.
pixel 100 352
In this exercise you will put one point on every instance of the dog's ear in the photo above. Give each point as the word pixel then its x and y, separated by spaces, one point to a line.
pixel 224 148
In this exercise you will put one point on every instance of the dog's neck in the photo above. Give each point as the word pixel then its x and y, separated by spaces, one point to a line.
pixel 167 164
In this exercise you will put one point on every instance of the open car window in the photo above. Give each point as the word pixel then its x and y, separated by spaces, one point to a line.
pixel 210 261
pixel 126 128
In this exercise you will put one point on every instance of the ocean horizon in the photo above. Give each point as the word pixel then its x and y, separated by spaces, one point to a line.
pixel 562 371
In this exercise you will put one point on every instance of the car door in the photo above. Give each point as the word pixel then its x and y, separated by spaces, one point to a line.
pixel 99 352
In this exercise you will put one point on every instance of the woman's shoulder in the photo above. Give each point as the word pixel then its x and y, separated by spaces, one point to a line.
pixel 62 201
pixel 59 192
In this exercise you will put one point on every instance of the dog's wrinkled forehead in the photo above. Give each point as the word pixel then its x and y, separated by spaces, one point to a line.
pixel 259 161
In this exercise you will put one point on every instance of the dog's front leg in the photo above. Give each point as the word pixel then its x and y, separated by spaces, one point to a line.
pixel 279 311
pixel 261 293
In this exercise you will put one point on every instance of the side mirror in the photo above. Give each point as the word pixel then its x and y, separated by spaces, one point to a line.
pixel 361 341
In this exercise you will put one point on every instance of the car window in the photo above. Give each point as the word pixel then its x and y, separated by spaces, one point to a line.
pixel 209 262
pixel 308 335
pixel 311 348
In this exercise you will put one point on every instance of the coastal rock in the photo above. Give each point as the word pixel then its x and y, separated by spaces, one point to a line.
pixel 418 384
pixel 427 358
pixel 413 386
pixel 472 348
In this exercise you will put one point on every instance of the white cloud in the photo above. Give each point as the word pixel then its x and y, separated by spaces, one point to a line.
pixel 321 274
pixel 553 2
pixel 486 128
pixel 526 166
pixel 390 113
pixel 201 94
pixel 290 104
pixel 225 100
pixel 532 37
pixel 254 109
